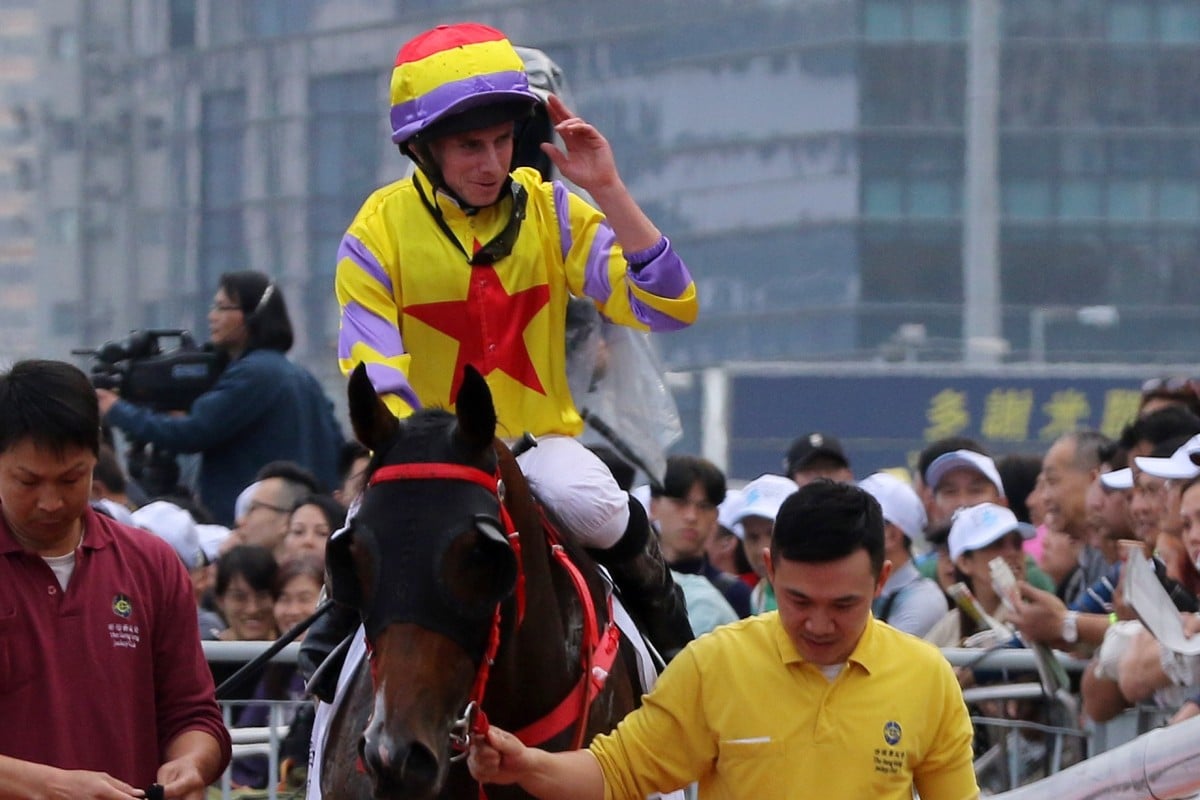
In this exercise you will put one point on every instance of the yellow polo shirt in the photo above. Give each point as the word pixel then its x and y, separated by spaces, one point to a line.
pixel 743 714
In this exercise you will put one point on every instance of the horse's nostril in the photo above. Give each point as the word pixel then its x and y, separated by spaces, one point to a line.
pixel 420 769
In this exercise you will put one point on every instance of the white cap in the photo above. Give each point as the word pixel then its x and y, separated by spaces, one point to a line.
pixel 211 537
pixel 1119 479
pixel 899 501
pixel 642 495
pixel 115 510
pixel 1178 466
pixel 963 458
pixel 978 526
pixel 727 512
pixel 241 506
pixel 763 496
pixel 173 524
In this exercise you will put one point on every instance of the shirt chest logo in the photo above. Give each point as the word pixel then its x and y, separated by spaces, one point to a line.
pixel 122 606
pixel 889 760
pixel 123 634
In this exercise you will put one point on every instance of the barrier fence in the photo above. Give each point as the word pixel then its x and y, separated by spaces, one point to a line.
pixel 1049 739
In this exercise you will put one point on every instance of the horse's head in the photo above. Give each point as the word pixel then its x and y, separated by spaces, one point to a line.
pixel 426 562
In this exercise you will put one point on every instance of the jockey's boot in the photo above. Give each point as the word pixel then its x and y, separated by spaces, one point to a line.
pixel 645 584
pixel 323 651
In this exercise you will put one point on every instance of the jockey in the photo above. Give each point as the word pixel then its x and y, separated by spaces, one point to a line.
pixel 472 261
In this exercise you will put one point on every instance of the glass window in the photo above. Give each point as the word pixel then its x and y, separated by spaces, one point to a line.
pixel 65 318
pixel 937 20
pixel 1082 156
pixel 932 198
pixel 1130 199
pixel 1080 199
pixel 64 43
pixel 1130 21
pixel 883 198
pixel 1179 21
pixel 182 24
pixel 222 154
pixel 1179 200
pixel 1026 199
pixel 62 226
pixel 885 19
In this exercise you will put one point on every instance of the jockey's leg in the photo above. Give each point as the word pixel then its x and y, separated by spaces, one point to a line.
pixel 577 485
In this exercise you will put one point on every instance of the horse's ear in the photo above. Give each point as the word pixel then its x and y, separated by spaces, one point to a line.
pixel 476 413
pixel 373 422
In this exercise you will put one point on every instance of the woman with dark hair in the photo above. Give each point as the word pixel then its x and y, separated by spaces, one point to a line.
pixel 263 408
pixel 313 521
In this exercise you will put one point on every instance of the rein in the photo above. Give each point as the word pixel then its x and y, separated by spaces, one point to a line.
pixel 597 651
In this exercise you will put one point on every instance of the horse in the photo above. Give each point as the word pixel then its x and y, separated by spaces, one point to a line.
pixel 467 620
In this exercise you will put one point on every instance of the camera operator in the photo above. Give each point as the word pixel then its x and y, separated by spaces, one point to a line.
pixel 263 407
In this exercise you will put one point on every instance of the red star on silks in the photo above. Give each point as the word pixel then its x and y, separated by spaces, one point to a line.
pixel 489 326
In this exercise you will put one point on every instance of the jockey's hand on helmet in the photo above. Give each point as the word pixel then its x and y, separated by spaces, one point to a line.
pixel 498 757
pixel 588 160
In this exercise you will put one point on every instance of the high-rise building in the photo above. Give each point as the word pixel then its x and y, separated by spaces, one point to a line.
pixel 807 157
pixel 18 69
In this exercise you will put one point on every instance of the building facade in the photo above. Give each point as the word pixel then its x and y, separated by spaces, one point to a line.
pixel 807 157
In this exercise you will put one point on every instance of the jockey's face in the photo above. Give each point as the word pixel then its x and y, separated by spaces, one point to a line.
pixel 475 164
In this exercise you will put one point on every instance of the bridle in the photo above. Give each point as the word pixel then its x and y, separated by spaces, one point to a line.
pixel 597 651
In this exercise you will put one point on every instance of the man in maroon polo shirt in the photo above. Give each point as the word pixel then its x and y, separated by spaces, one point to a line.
pixel 103 685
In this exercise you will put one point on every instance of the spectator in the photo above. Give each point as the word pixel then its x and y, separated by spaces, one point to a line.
pixel 176 527
pixel 979 534
pixel 684 510
pixel 908 602
pixel 817 455
pixel 105 687
pixel 1070 466
pixel 724 549
pixel 1175 391
pixel 245 579
pixel 312 522
pixel 843 678
pixel 110 487
pixel 296 592
pixel 926 457
pixel 761 499
pixel 263 407
pixel 269 506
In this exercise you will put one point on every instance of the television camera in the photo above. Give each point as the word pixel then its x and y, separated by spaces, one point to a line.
pixel 144 372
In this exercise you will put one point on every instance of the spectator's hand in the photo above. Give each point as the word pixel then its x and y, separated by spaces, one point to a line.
pixel 1122 609
pixel 497 757
pixel 1037 614
pixel 588 160
pixel 107 399
pixel 78 784
pixel 181 780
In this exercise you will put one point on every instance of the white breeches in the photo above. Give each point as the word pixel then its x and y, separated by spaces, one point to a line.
pixel 576 484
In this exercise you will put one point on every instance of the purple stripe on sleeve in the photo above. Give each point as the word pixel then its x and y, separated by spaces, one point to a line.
pixel 389 380
pixel 595 275
pixel 665 276
pixel 458 96
pixel 362 325
pixel 562 209
pixel 657 320
pixel 357 252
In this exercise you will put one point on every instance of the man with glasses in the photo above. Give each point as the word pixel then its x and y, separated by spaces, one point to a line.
pixel 684 510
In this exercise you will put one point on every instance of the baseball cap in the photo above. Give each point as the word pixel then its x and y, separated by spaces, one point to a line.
pixel 173 524
pixel 211 537
pixel 810 446
pixel 963 458
pixel 978 526
pixel 727 512
pixel 1180 465
pixel 763 496
pixel 1118 479
pixel 899 501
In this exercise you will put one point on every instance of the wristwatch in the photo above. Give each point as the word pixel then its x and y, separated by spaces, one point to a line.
pixel 1070 627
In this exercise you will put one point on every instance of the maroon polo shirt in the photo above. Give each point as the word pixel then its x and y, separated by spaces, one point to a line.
pixel 104 675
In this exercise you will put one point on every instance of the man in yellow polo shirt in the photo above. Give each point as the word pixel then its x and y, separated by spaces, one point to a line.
pixel 817 697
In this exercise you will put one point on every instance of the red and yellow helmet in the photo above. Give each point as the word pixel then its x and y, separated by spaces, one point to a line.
pixel 452 69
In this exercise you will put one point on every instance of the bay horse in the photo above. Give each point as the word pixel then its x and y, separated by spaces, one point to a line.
pixel 466 619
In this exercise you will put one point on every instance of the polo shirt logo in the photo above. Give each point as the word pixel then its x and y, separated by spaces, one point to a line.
pixel 122 606
pixel 891 732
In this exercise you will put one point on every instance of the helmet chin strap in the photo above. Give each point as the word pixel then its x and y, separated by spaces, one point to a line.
pixel 421 155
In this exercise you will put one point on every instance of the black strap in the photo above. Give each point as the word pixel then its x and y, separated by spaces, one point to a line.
pixel 502 243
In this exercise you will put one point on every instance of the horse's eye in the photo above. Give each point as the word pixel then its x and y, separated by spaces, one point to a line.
pixel 479 569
